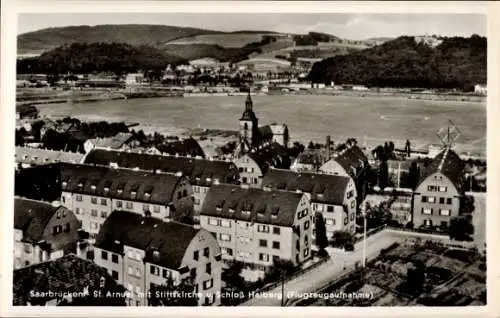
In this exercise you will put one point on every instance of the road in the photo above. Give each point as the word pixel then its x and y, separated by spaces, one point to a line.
pixel 329 271
pixel 479 219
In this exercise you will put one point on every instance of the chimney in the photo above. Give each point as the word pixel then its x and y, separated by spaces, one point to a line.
pixel 328 142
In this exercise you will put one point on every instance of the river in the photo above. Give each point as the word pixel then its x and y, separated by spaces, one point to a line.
pixel 308 117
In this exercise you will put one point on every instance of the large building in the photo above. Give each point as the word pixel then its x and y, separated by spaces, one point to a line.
pixel 251 136
pixel 437 197
pixel 93 192
pixel 258 227
pixel 42 231
pixel 202 173
pixel 142 253
pixel 121 141
pixel 254 164
pixel 27 157
pixel 334 197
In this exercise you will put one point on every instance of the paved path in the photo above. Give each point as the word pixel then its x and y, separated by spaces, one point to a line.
pixel 327 272
pixel 479 219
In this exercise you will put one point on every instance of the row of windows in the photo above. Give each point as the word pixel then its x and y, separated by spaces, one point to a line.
pixel 114 257
pixel 119 204
pixel 137 273
pixel 442 200
pixel 206 253
pixel 219 222
pixel 197 189
pixel 61 213
pixel 247 169
pixel 429 211
pixel 155 270
pixel 303 213
pixel 435 188
pixel 263 243
pixel 246 180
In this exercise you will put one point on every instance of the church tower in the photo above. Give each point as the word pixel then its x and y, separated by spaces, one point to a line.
pixel 248 126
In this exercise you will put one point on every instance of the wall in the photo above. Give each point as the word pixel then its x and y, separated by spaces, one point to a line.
pixel 67 221
pixel 250 172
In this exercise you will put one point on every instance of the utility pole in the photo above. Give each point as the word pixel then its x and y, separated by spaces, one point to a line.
pixel 282 288
pixel 364 235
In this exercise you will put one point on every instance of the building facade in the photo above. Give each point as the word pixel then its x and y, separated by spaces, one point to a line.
pixel 437 197
pixel 42 231
pixel 202 173
pixel 333 197
pixel 93 192
pixel 258 227
pixel 142 253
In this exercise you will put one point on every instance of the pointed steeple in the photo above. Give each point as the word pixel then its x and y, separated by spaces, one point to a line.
pixel 248 102
pixel 248 113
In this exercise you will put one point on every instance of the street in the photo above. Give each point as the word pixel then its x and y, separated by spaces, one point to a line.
pixel 329 271
pixel 479 219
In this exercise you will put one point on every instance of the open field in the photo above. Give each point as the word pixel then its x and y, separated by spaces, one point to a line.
pixel 308 117
pixel 225 39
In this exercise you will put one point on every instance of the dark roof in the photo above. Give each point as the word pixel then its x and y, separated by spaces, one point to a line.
pixel 66 274
pixel 261 204
pixel 265 132
pixel 273 155
pixel 248 114
pixel 324 188
pixel 185 147
pixel 352 157
pixel 171 239
pixel 197 170
pixel 24 110
pixel 448 163
pixel 32 217
pixel 149 187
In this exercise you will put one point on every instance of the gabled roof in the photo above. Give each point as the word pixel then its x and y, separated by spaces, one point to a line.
pixel 323 188
pixel 170 239
pixel 31 217
pixel 352 157
pixel 449 164
pixel 273 155
pixel 185 147
pixel 265 132
pixel 230 201
pixel 122 184
pixel 114 142
pixel 199 171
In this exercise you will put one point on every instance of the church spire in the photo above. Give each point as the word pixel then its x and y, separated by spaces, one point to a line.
pixel 248 102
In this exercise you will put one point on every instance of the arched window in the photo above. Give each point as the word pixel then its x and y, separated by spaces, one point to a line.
pixel 246 126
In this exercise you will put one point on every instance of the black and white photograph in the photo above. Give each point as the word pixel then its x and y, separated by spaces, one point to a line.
pixel 248 159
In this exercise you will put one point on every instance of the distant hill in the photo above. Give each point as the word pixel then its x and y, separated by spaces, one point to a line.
pixel 134 34
pixel 117 58
pixel 404 62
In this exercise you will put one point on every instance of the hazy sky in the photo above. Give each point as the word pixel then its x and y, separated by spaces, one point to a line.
pixel 351 26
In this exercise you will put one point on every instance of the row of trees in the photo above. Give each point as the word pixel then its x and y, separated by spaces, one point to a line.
pixel 455 63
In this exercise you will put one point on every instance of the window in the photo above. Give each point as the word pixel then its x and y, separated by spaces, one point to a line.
pixel 227 251
pixel 67 227
pixel 156 208
pixel 206 252
pixel 353 204
pixel 58 214
pixel 319 207
pixel 27 248
pixel 138 256
pixel 263 257
pixel 432 199
pixel 213 221
pixel 441 200
pixel 138 272
pixel 93 200
pixel 330 222
pixel 431 188
pixel 225 223
pixel 208 268
pixel 263 228
pixel 276 245
pixel 306 252
pixel 448 200
pixel 130 271
pixel 196 189
pixel 129 205
pixel 424 198
pixel 276 230
pixel 104 202
pixel 244 239
pixel 56 229
pixel 346 220
pixel 444 212
pixel 93 212
pixel 196 255
pixel 77 210
pixel 114 258
pixel 208 284
pixel 130 254
pixel 352 216
pixel 192 273
pixel 443 189
pixel 196 201
pixel 119 204
pixel 154 270
pixel 166 273
pixel 114 274
pixel 263 243
pixel 225 237
pixel 145 207
pixel 104 214
pixel 79 197
pixel 306 225
pixel 426 211
pixel 329 208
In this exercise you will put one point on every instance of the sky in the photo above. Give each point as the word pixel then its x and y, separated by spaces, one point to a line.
pixel 344 25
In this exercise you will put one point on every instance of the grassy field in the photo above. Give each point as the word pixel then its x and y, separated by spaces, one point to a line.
pixel 226 40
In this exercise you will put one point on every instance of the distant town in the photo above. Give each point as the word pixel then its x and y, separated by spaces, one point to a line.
pixel 107 213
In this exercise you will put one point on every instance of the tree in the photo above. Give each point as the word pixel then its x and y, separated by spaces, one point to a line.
pixel 413 176
pixel 170 294
pixel 415 279
pixel 461 229
pixel 383 175
pixel 321 238
pixel 341 239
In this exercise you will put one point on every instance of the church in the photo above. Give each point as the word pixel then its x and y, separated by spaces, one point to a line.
pixel 252 137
